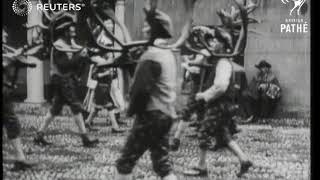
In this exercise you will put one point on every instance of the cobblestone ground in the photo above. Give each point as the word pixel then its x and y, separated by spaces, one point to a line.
pixel 277 153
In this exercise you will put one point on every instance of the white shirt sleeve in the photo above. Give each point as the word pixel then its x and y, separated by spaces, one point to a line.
pixel 221 81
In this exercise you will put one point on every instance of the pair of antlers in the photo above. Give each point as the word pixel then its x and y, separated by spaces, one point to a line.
pixel 150 5
pixel 244 9
pixel 231 21
pixel 228 19
pixel 53 16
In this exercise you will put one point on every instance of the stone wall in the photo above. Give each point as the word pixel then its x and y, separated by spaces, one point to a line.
pixel 289 54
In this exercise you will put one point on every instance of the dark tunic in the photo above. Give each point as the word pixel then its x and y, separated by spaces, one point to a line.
pixel 257 101
pixel 102 92
pixel 218 120
pixel 151 128
pixel 192 105
pixel 66 82
pixel 9 119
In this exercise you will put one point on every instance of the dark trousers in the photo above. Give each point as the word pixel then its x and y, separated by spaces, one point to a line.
pixel 218 123
pixel 150 131
pixel 192 105
pixel 266 106
pixel 9 119
pixel 261 106
pixel 65 92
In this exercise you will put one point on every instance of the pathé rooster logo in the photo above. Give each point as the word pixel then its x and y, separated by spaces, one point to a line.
pixel 298 4
pixel 22 7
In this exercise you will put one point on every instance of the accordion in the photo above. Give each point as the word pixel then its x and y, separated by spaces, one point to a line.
pixel 273 91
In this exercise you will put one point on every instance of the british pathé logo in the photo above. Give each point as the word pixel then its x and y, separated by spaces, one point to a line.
pixel 22 7
pixel 298 4
pixel 294 26
pixel 298 24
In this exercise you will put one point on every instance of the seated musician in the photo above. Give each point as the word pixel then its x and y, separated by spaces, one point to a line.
pixel 263 93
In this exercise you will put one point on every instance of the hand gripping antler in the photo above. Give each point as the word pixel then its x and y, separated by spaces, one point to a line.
pixel 151 5
pixel 124 46
pixel 100 21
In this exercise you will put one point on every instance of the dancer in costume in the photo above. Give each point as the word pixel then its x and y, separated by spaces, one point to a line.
pixel 219 109
pixel 68 61
pixel 102 86
pixel 10 121
pixel 193 73
pixel 152 100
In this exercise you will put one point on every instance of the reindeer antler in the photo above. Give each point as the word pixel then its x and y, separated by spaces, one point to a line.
pixel 242 39
pixel 185 32
pixel 127 38
pixel 150 5
pixel 53 16
pixel 232 19
pixel 124 46
pixel 100 21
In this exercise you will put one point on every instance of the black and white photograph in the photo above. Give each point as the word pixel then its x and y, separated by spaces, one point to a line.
pixel 156 89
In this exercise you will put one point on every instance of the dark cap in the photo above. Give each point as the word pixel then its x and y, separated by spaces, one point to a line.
pixel 160 23
pixel 262 64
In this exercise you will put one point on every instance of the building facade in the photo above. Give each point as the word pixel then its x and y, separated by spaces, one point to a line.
pixel 287 52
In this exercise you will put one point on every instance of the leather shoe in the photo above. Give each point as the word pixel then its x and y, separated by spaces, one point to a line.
pixel 244 168
pixel 115 131
pixel 22 165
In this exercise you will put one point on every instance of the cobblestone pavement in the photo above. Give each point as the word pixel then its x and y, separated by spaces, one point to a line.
pixel 277 153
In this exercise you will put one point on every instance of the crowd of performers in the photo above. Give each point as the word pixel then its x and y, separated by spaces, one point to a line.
pixel 152 99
